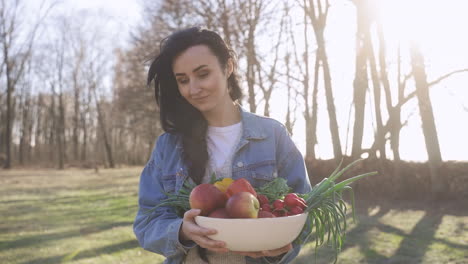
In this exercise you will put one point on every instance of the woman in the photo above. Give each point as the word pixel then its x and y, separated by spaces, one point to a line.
pixel 196 88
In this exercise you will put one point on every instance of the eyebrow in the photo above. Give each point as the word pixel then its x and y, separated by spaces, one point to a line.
pixel 196 69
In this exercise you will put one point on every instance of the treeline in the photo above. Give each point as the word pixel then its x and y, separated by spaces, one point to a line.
pixel 73 101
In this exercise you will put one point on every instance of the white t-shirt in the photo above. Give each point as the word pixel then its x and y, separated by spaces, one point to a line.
pixel 221 142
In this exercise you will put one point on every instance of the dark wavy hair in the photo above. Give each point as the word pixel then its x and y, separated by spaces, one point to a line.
pixel 177 116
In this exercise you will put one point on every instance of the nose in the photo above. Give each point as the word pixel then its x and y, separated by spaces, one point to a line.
pixel 194 88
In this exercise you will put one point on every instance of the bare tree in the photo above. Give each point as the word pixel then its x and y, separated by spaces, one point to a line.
pixel 16 52
pixel 26 122
pixel 271 77
pixel 379 133
pixel 103 128
pixel 438 183
pixel 393 112
pixel 318 12
pixel 79 53
pixel 361 81
pixel 253 10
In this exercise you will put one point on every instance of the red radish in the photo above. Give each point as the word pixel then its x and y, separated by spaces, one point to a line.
pixel 265 214
pixel 304 204
pixel 291 200
pixel 265 207
pixel 296 210
pixel 278 213
pixel 278 204
pixel 262 199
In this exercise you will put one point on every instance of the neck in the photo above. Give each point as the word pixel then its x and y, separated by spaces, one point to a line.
pixel 225 115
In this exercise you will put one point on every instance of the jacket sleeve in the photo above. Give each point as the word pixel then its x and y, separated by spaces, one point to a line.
pixel 291 166
pixel 158 231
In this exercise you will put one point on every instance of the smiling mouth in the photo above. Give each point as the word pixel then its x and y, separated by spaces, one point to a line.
pixel 200 98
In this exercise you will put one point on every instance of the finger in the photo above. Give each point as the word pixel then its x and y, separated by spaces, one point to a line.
pixel 192 227
pixel 190 214
pixel 206 242
pixel 200 231
pixel 219 250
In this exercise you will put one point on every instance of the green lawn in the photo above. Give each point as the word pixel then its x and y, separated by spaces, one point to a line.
pixel 79 216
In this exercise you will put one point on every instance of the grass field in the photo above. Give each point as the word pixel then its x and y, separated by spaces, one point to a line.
pixel 79 216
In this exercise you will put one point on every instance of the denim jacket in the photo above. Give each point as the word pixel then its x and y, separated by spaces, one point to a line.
pixel 264 152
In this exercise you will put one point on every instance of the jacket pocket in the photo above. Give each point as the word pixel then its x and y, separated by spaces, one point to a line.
pixel 259 173
pixel 169 183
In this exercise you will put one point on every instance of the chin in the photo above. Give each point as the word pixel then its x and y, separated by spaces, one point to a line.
pixel 204 107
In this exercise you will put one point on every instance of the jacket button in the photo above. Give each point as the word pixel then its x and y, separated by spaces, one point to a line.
pixel 240 164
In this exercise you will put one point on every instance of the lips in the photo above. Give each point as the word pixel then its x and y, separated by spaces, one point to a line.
pixel 200 98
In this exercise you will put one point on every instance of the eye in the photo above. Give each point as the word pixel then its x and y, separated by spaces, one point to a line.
pixel 203 74
pixel 182 80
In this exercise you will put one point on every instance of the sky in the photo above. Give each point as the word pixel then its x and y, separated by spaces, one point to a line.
pixel 123 15
pixel 438 28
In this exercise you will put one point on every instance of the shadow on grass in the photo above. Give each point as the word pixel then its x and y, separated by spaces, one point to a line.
pixel 412 247
pixel 28 241
pixel 415 245
pixel 90 253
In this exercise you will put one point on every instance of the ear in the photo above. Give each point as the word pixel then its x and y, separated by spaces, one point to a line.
pixel 229 67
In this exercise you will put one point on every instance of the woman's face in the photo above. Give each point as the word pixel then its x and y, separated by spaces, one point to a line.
pixel 201 79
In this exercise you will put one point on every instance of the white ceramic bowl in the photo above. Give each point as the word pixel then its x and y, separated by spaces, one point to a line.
pixel 254 234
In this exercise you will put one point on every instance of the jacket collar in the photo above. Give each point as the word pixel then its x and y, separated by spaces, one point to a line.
pixel 251 127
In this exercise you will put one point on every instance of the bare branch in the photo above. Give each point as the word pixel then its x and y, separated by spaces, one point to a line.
pixel 445 76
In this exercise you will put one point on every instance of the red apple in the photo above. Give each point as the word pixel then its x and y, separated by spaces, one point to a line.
pixel 219 213
pixel 207 198
pixel 240 185
pixel 243 205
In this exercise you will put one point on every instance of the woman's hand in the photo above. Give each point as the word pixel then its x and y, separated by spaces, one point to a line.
pixel 191 231
pixel 266 253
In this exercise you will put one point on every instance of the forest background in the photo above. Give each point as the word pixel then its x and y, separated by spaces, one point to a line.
pixel 381 80
pixel 373 79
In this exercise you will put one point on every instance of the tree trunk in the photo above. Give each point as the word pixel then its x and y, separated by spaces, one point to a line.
pixel 60 132
pixel 313 120
pixel 29 130
pixel 9 112
pixel 251 75
pixel 396 116
pixel 76 115
pixel 101 120
pixel 289 122
pixel 309 114
pixel 52 142
pixel 38 132
pixel 360 83
pixel 318 16
pixel 24 130
pixel 438 182
pixel 331 105
pixel 379 133
pixel 393 112
pixel 85 137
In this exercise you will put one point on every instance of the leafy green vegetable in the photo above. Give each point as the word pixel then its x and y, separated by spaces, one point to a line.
pixel 213 178
pixel 327 210
pixel 276 189
pixel 178 201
